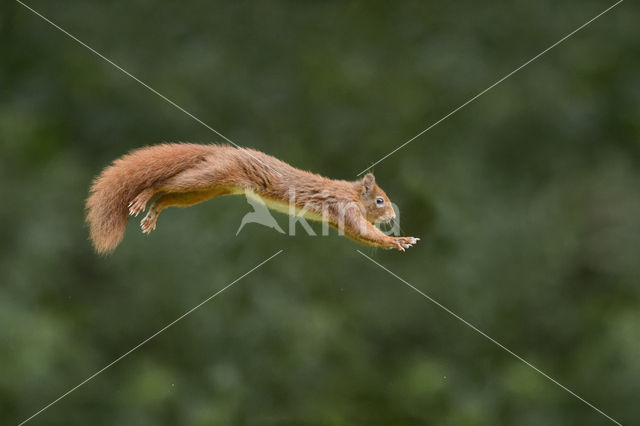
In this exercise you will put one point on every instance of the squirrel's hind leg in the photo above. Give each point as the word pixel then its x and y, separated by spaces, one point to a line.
pixel 181 199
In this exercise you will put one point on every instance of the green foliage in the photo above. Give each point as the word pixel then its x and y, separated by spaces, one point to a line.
pixel 526 201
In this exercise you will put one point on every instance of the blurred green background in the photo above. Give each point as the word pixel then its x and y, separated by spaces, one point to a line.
pixel 527 202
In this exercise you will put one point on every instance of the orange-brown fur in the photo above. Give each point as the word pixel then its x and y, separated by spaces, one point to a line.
pixel 180 174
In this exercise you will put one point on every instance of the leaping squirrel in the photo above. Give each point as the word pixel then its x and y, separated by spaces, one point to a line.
pixel 184 174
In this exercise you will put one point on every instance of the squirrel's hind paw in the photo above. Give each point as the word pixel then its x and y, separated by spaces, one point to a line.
pixel 136 207
pixel 148 224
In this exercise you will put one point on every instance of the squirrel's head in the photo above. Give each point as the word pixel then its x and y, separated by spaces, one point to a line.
pixel 376 204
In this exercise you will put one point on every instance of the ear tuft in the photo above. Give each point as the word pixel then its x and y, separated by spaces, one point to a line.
pixel 367 183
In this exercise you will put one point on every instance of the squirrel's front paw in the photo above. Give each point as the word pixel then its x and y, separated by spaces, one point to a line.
pixel 402 243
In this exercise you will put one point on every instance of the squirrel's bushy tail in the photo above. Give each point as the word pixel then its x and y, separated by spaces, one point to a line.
pixel 119 183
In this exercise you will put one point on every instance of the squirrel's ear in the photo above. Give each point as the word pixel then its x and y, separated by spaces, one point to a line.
pixel 367 183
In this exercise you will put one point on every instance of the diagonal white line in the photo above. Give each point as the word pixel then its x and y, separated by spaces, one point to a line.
pixel 127 73
pixel 142 83
pixel 493 85
pixel 149 338
pixel 500 345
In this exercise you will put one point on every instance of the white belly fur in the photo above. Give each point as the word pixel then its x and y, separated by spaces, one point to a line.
pixel 280 206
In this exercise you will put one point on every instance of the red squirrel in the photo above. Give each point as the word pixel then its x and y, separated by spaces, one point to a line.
pixel 184 174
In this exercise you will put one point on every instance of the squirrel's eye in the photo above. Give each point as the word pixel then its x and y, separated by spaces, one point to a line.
pixel 379 201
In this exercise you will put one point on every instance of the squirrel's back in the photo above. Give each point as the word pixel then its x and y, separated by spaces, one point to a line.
pixel 118 184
